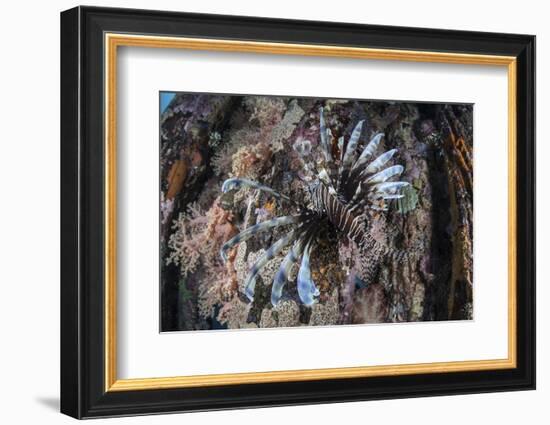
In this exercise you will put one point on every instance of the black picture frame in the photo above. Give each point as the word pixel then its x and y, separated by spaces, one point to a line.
pixel 83 392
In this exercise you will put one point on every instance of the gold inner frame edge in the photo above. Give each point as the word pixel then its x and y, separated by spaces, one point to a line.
pixel 111 43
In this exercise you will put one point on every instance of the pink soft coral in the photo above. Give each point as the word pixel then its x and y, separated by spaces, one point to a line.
pixel 196 242
pixel 198 237
pixel 186 240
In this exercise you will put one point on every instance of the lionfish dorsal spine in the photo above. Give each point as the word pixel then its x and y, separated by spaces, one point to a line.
pixel 376 165
pixel 369 150
pixel 348 155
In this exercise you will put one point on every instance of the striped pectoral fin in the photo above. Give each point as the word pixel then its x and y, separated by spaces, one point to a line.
pixel 272 251
pixel 282 274
pixel 251 231
pixel 306 287
pixel 237 183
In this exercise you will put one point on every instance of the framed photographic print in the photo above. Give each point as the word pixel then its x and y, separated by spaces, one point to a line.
pixel 261 212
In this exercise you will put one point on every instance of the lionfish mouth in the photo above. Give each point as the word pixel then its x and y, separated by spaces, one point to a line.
pixel 342 191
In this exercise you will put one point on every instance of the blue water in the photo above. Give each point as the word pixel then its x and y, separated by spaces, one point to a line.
pixel 165 99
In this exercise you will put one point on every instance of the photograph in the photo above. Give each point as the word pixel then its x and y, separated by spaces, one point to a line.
pixel 283 211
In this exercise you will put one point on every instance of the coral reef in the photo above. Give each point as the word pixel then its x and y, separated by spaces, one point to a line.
pixel 326 313
pixel 285 315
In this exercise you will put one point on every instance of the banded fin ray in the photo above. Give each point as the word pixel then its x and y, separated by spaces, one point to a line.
pixel 395 196
pixel 349 154
pixel 358 172
pixel 380 191
pixel 237 183
pixel 352 144
pixel 282 274
pixel 386 174
pixel 389 188
pixel 376 165
pixel 369 150
pixel 375 182
pixel 272 251
pixel 257 228
pixel 306 287
pixel 324 136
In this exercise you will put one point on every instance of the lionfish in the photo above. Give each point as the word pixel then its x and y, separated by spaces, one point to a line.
pixel 341 189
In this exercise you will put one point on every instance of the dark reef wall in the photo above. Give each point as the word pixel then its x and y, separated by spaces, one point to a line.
pixel 208 138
